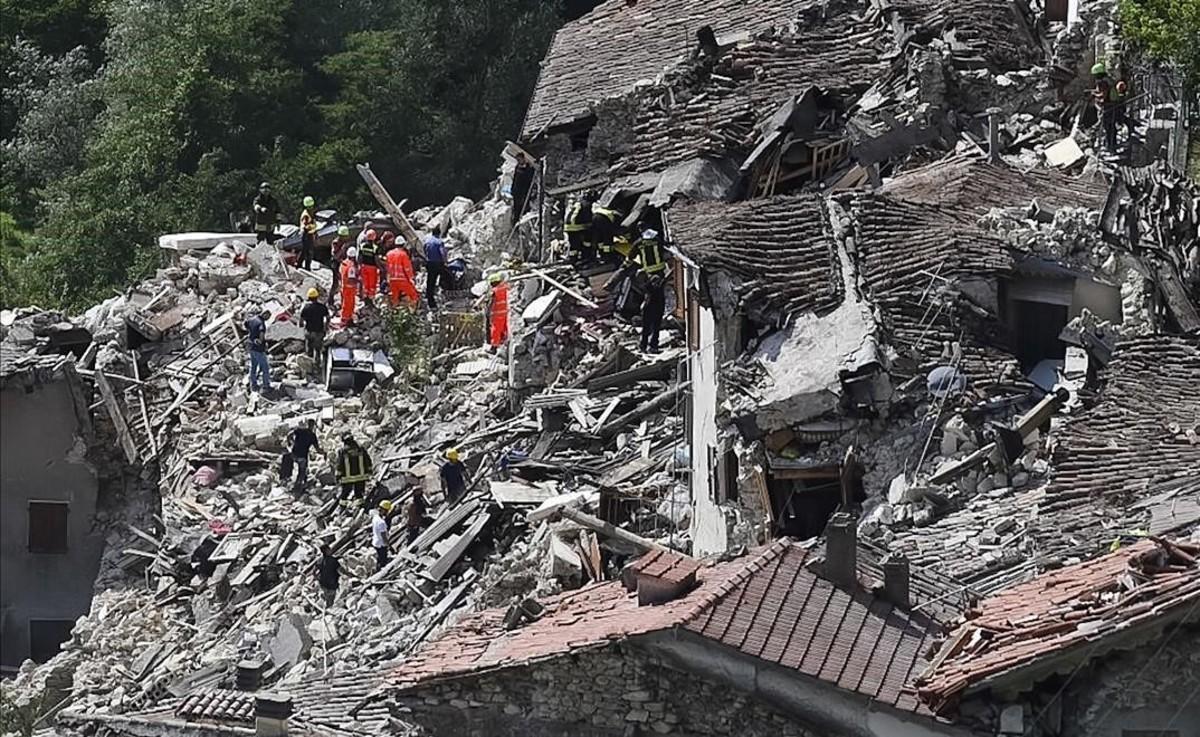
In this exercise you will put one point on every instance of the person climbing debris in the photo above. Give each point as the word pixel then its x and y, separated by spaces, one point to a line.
pixel 454 477
pixel 414 520
pixel 1108 95
pixel 435 265
pixel 315 318
pixel 329 574
pixel 349 282
pixel 368 264
pixel 256 345
pixel 379 533
pixel 498 311
pixel 304 439
pixel 308 233
pixel 606 229
pixel 577 226
pixel 401 278
pixel 653 269
pixel 266 214
pixel 353 470
pixel 337 252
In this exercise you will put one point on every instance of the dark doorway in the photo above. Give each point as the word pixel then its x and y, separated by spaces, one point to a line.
pixel 45 637
pixel 1036 327
pixel 803 503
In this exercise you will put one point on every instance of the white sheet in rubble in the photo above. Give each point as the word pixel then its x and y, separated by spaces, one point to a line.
pixel 201 241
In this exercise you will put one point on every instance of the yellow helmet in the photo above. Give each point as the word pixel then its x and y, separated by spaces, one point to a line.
pixel 452 454
pixel 313 293
pixel 386 505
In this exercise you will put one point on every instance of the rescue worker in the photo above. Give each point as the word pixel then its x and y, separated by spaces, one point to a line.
pixel 578 227
pixel 266 212
pixel 349 280
pixel 329 573
pixel 401 278
pixel 653 268
pixel 353 470
pixel 606 227
pixel 256 345
pixel 415 515
pixel 498 312
pixel 314 316
pixel 1109 102
pixel 379 533
pixel 435 265
pixel 304 439
pixel 454 477
pixel 368 264
pixel 308 233
pixel 337 252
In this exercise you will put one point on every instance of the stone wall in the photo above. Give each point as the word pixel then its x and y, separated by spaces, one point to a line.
pixel 620 691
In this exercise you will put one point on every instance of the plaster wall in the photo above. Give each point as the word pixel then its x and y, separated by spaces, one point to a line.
pixel 709 532
pixel 42 458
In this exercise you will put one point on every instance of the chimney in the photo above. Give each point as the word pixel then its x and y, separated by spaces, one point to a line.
pixel 271 712
pixel 993 114
pixel 841 550
pixel 660 576
pixel 895 579
pixel 249 675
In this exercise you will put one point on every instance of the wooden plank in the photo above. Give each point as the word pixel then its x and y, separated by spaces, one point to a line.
pixel 556 283
pixel 389 205
pixel 118 419
pixel 446 561
pixel 662 401
pixel 511 493
pixel 142 402
pixel 600 527
pixel 447 521
pixel 660 370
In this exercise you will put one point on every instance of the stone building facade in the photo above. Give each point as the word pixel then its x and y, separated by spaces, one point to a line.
pixel 619 691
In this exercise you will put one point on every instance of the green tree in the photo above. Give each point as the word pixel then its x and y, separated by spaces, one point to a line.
pixel 1168 30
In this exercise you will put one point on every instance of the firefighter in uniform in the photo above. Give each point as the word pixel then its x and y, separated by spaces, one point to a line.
pixel 578 226
pixel 353 470
pixel 649 253
pixel 606 227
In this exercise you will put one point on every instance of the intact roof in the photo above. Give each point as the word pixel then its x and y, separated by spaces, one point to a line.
pixel 1073 611
pixel 776 247
pixel 717 115
pixel 768 605
pixel 608 51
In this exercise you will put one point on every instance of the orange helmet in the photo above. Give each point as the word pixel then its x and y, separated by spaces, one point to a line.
pixel 372 235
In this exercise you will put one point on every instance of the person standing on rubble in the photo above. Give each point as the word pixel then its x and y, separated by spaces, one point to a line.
pixel 1109 103
pixel 308 233
pixel 337 252
pixel 304 439
pixel 379 533
pixel 315 318
pixel 329 574
pixel 401 278
pixel 435 265
pixel 498 310
pixel 415 515
pixel 266 213
pixel 349 281
pixel 606 226
pixel 353 470
pixel 654 270
pixel 368 264
pixel 577 226
pixel 256 344
pixel 454 477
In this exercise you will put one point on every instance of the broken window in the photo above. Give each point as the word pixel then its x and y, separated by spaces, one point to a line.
pixel 730 475
pixel 804 500
pixel 579 140
pixel 48 527
pixel 45 637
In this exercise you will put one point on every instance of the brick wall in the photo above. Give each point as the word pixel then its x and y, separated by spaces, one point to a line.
pixel 618 691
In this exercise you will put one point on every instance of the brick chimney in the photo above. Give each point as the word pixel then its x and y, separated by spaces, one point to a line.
pixel 249 675
pixel 841 550
pixel 895 580
pixel 660 576
pixel 271 713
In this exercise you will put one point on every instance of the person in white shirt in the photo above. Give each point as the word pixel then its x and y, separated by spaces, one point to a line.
pixel 379 532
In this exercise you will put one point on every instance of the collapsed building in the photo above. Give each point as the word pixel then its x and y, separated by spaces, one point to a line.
pixel 919 457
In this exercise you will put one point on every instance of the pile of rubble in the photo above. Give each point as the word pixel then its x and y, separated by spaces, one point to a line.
pixel 220 570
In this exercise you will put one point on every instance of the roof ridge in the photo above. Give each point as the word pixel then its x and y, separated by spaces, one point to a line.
pixel 752 566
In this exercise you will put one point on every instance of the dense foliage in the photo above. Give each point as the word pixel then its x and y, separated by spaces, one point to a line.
pixel 1168 29
pixel 125 119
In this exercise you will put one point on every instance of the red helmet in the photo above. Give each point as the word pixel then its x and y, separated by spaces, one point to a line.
pixel 372 235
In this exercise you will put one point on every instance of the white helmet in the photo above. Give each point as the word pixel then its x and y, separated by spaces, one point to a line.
pixel 351 252
pixel 650 234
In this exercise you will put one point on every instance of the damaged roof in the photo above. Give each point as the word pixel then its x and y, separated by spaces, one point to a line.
pixel 1074 613
pixel 715 114
pixel 620 43
pixel 777 248
pixel 977 31
pixel 768 605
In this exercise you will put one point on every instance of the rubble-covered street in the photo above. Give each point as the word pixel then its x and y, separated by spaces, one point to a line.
pixel 916 450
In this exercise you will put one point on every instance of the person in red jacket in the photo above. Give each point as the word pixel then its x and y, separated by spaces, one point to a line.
pixel 401 277
pixel 498 315
pixel 349 282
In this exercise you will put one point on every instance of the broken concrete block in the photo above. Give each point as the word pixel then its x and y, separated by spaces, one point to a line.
pixel 291 642
pixel 251 427
pixel 564 561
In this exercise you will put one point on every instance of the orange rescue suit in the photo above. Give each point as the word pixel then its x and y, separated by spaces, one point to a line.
pixel 499 314
pixel 400 278
pixel 349 289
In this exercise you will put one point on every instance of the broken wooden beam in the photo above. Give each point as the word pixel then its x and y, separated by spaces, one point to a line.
pixel 607 529
pixel 614 426
pixel 556 283
pixel 389 205
pixel 118 418
pixel 658 371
